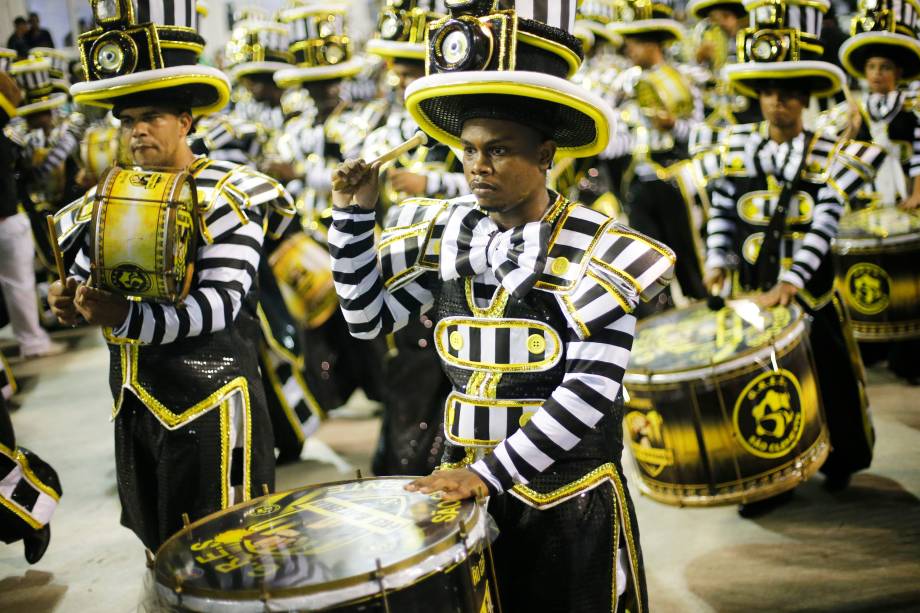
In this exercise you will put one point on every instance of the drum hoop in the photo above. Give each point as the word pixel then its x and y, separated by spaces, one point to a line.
pixel 468 527
pixel 784 339
pixel 845 246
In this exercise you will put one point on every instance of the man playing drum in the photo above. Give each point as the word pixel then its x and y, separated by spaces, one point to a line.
pixel 777 196
pixel 532 298
pixel 192 434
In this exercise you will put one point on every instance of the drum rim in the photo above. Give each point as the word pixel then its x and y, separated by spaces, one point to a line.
pixel 795 330
pixel 464 531
pixel 869 241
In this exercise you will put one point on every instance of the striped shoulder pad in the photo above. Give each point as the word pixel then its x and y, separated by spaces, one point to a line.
pixel 577 230
pixel 16 132
pixel 624 269
pixel 853 164
pixel 70 220
pixel 739 142
pixel 704 137
pixel 834 120
pixel 411 239
pixel 820 150
pixel 241 189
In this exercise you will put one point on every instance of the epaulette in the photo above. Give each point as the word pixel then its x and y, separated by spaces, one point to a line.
pixel 853 164
pixel 70 218
pixel 411 239
pixel 624 268
pixel 820 150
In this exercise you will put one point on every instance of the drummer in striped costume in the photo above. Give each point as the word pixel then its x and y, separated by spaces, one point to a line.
pixel 531 296
pixel 777 194
pixel 29 487
pixel 192 433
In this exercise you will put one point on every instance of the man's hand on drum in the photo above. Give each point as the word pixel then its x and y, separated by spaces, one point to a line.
pixel 714 279
pixel 356 182
pixel 912 203
pixel 780 294
pixel 101 308
pixel 456 484
pixel 61 300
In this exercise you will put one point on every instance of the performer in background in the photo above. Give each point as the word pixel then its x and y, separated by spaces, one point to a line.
pixel 192 433
pixel 777 195
pixel 29 487
pixel 531 296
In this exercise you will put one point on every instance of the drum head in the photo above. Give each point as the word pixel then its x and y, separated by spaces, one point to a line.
pixel 693 338
pixel 882 223
pixel 315 547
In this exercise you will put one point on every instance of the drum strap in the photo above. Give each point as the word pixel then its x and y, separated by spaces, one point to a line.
pixel 767 264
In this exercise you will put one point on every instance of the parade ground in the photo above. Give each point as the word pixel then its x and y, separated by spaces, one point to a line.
pixel 855 550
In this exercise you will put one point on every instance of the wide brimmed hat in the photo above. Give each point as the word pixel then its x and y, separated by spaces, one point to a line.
pixel 147 47
pixel 401 28
pixel 509 64
pixel 34 79
pixel 883 28
pixel 700 9
pixel 651 18
pixel 593 18
pixel 258 46
pixel 60 65
pixel 320 45
pixel 783 45
pixel 7 57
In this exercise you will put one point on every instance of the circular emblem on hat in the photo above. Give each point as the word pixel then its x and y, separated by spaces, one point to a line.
pixel 130 278
pixel 768 415
pixel 390 26
pixel 868 288
pixel 462 44
pixel 113 54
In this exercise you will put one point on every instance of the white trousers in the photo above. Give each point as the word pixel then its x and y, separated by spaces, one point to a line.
pixel 17 281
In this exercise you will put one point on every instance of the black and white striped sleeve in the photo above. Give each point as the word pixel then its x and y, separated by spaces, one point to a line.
pixel 225 269
pixel 594 370
pixel 370 305
pixel 852 167
pixel 722 223
pixel 914 164
pixel 66 144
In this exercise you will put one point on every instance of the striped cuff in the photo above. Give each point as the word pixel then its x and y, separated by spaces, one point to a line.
pixel 793 278
pixel 481 468
pixel 716 259
pixel 122 330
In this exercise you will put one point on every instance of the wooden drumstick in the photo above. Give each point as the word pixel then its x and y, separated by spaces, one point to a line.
pixel 419 139
pixel 58 256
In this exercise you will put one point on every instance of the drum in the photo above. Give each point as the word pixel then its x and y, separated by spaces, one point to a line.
pixel 365 545
pixel 876 253
pixel 723 406
pixel 304 276
pixel 100 149
pixel 144 233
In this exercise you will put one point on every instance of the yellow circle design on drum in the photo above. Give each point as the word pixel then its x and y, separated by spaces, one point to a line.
pixel 768 415
pixel 868 288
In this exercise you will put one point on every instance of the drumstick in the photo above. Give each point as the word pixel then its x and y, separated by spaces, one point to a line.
pixel 58 256
pixel 418 140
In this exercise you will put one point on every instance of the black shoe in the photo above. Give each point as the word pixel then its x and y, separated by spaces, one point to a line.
pixel 36 543
pixel 750 510
pixel 835 482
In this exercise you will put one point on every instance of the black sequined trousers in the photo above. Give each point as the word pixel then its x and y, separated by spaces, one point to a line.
pixel 164 473
pixel 414 391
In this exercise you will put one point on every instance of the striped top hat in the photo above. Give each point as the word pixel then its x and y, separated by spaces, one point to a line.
pixel 651 18
pixel 783 44
pixel 60 65
pixel 401 28
pixel 700 9
pixel 257 45
pixel 593 19
pixel 320 44
pixel 33 76
pixel 144 47
pixel 7 57
pixel 883 28
pixel 510 62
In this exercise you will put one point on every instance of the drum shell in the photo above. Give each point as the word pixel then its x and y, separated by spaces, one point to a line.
pixel 889 309
pixel 698 459
pixel 304 276
pixel 144 234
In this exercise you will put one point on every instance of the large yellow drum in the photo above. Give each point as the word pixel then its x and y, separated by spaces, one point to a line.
pixel 304 276
pixel 723 407
pixel 876 253
pixel 144 234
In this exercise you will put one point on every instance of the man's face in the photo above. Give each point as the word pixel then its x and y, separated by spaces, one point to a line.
pixel 325 94
pixel 504 162
pixel 642 53
pixel 782 107
pixel 725 20
pixel 405 74
pixel 33 22
pixel 22 28
pixel 260 90
pixel 882 74
pixel 154 135
pixel 42 120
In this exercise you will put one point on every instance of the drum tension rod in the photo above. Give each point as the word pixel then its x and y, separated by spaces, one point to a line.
pixel 265 491
pixel 185 520
pixel 150 557
pixel 378 575
pixel 358 474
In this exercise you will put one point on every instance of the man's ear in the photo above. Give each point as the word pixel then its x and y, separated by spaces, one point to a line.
pixel 185 123
pixel 545 154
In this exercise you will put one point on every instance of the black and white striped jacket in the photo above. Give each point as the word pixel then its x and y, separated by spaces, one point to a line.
pixel 596 272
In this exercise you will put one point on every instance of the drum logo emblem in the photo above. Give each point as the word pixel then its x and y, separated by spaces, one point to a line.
pixel 868 287
pixel 768 418
pixel 147 181
pixel 130 278
pixel 647 441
